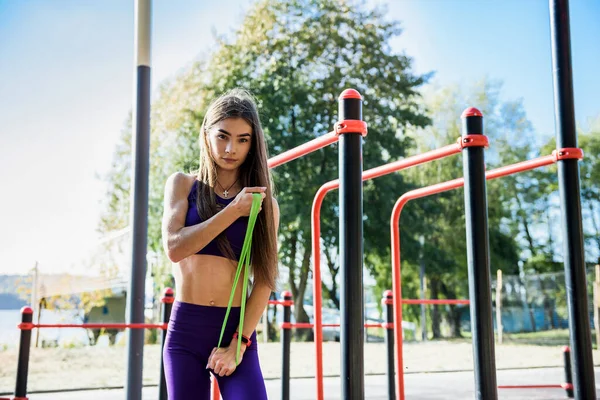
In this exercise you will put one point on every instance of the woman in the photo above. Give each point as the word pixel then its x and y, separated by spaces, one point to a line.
pixel 204 225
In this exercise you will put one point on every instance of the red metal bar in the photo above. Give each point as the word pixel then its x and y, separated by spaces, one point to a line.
pixel 215 392
pixel 316 236
pixel 94 326
pixel 530 387
pixel 303 149
pixel 308 325
pixel 282 302
pixel 434 301
pixel 395 230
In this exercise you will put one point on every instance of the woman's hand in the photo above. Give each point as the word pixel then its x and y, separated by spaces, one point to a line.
pixel 222 360
pixel 243 201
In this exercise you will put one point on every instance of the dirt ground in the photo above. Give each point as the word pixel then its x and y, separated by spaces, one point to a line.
pixel 97 367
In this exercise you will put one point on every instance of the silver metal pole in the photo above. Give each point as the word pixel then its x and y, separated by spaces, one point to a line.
pixel 139 198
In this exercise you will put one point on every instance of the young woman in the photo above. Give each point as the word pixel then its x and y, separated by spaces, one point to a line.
pixel 204 225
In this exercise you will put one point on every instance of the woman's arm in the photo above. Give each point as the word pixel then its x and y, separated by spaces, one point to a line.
pixel 180 241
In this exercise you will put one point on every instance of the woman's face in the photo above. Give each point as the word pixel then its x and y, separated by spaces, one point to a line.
pixel 230 142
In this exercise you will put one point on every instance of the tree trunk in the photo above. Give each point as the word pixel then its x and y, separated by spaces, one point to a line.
pixel 523 215
pixel 454 315
pixel 594 223
pixel 272 326
pixel 333 271
pixel 436 316
pixel 548 307
pixel 300 314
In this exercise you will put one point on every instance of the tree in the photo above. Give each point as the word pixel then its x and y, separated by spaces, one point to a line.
pixel 296 56
pixel 440 218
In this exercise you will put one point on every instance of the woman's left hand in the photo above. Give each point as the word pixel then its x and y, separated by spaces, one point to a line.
pixel 222 360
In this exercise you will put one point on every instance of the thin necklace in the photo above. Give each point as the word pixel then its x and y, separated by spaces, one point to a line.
pixel 226 191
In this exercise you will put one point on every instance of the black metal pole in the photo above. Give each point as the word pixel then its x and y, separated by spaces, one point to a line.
pixel 351 250
pixel 24 349
pixel 478 260
pixel 286 340
pixel 388 301
pixel 568 386
pixel 167 301
pixel 570 201
pixel 139 199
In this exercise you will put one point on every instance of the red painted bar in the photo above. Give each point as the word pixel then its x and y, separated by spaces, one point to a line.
pixel 316 235
pixel 434 301
pixel 303 149
pixel 395 231
pixel 94 326
pixel 530 387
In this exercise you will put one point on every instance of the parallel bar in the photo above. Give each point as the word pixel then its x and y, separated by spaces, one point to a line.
pixel 570 200
pixel 434 301
pixel 530 387
pixel 316 244
pixel 96 326
pixel 167 302
pixel 286 339
pixel 478 261
pixel 302 150
pixel 308 325
pixel 568 372
pixel 388 298
pixel 351 251
pixel 24 351
pixel 139 198
pixel 395 242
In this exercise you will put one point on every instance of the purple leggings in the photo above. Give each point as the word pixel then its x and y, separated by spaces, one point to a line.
pixel 192 334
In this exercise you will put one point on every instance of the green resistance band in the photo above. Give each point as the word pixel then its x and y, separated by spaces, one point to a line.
pixel 243 264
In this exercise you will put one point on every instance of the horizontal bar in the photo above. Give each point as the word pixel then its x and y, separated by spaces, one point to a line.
pixel 28 326
pixel 308 325
pixel 434 301
pixel 411 161
pixel 303 149
pixel 530 387
pixel 282 302
pixel 493 174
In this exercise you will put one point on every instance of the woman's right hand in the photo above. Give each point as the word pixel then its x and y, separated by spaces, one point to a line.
pixel 243 201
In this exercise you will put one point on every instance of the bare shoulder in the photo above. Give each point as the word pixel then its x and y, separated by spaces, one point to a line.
pixel 275 210
pixel 275 204
pixel 179 182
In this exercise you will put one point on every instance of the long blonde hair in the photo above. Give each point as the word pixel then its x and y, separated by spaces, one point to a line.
pixel 238 103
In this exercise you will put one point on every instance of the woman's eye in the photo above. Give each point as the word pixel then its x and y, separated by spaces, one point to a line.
pixel 244 141
pixel 221 136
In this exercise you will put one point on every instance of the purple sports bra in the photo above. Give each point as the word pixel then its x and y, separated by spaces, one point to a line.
pixel 236 232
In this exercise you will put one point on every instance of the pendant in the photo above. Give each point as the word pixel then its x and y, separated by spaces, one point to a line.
pixel 225 194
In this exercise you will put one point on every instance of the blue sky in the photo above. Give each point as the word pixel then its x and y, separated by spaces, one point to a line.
pixel 67 86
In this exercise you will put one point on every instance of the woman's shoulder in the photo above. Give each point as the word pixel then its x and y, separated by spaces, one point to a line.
pixel 180 181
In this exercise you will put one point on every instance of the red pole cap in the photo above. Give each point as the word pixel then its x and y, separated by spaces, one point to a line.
pixel 566 349
pixel 388 293
pixel 168 292
pixel 26 310
pixel 471 112
pixel 286 294
pixel 350 94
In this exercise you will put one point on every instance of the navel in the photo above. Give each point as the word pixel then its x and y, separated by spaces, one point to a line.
pixel 212 303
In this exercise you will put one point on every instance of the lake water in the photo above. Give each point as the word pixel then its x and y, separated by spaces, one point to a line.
pixel 9 333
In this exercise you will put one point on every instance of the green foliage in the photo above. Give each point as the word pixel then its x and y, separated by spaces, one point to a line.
pixel 296 57
pixel 589 174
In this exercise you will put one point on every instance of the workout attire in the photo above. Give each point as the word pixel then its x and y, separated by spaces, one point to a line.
pixel 194 330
